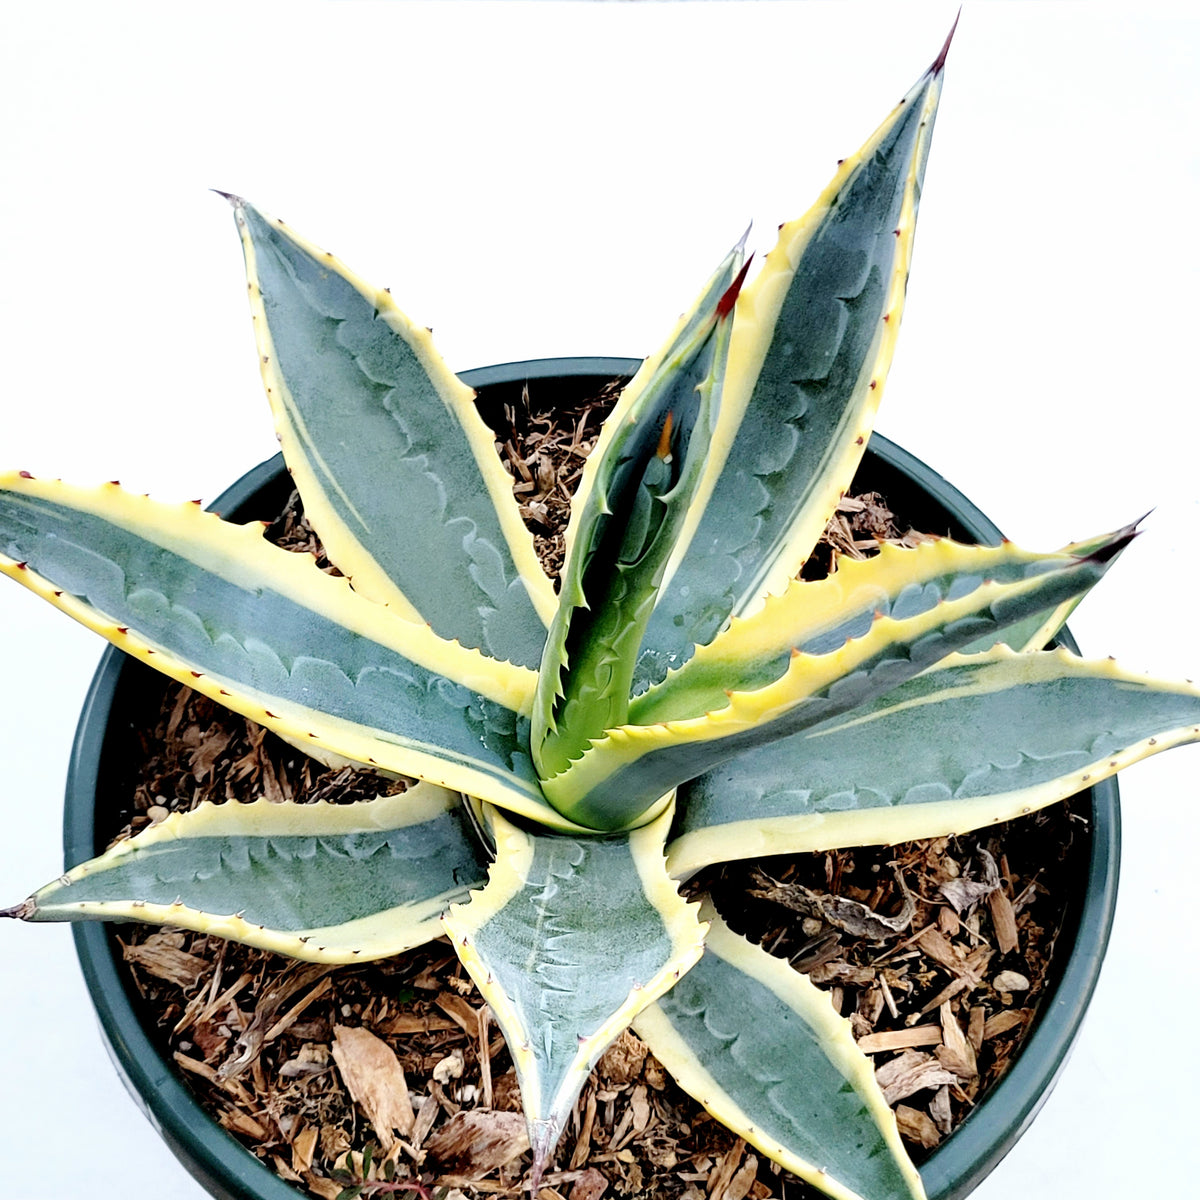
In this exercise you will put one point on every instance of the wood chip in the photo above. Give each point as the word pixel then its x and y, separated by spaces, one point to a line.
pixel 271 788
pixel 850 916
pixel 964 894
pixel 622 1062
pixel 285 1170
pixel 303 1145
pixel 739 1186
pixel 476 1141
pixel 205 1072
pixel 623 1133
pixel 842 973
pixel 164 961
pixel 324 1189
pixel 237 1121
pixel 375 1080
pixel 427 1112
pixel 207 753
pixel 947 993
pixel 295 980
pixel 1004 921
pixel 911 1072
pixel 888 998
pixel 216 1005
pixel 935 943
pixel 485 1058
pixel 312 1059
pixel 917 1126
pixel 583 1143
pixel 590 1185
pixel 639 1105
pixel 948 921
pixel 292 1015
pixel 939 1110
pixel 460 1012
pixel 955 1054
pixel 901 1039
pixel 1002 1023
pixel 411 1023
pixel 726 1169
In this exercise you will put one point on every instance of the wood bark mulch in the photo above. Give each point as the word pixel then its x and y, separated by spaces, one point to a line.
pixel 391 1078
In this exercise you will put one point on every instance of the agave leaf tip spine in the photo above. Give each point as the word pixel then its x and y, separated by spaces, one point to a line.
pixel 939 63
pixel 235 201
pixel 729 299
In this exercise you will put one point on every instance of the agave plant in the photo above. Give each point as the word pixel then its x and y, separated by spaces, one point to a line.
pixel 683 699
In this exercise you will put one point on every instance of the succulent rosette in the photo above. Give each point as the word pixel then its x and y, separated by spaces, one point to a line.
pixel 682 699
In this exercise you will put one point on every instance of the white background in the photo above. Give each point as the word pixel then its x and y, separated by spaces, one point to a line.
pixel 545 179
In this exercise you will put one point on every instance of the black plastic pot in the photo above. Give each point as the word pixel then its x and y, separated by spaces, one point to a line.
pixel 123 691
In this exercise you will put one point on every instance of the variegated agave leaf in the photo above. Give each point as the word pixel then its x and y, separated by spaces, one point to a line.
pixel 624 527
pixel 268 634
pixel 539 943
pixel 812 342
pixel 819 618
pixel 762 1049
pixel 396 468
pixel 977 739
pixel 319 882
pixel 684 701
pixel 623 771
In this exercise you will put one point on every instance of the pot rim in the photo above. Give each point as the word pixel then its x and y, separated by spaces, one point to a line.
pixel 230 1172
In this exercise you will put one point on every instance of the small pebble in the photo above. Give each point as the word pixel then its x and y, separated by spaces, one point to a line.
pixel 1010 981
